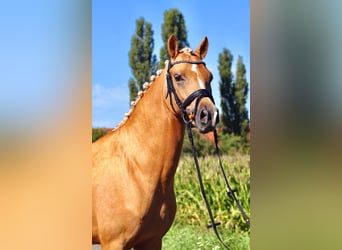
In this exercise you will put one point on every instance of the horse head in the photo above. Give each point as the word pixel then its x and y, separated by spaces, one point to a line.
pixel 188 79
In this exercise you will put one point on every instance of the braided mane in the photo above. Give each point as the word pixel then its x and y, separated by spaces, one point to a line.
pixel 146 86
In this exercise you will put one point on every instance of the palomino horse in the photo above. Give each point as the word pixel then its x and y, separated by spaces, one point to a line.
pixel 133 172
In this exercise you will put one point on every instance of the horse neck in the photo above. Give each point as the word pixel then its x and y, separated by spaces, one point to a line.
pixel 155 133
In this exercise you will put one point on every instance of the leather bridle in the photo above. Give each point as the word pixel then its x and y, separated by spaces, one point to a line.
pixel 198 94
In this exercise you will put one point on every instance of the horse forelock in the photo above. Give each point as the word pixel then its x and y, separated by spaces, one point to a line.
pixel 187 51
pixel 187 54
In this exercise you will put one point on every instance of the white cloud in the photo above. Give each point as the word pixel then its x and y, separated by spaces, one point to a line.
pixel 109 105
pixel 104 97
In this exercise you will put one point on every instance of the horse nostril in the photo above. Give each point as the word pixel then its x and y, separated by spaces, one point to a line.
pixel 205 119
pixel 204 116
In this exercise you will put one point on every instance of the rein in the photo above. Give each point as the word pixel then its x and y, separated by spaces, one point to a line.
pixel 199 94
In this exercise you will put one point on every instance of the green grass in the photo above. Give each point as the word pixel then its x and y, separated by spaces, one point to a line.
pixel 193 237
pixel 189 228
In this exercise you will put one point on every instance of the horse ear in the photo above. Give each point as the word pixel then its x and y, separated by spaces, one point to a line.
pixel 202 48
pixel 172 47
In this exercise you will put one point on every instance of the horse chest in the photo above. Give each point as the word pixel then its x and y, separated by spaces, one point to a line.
pixel 158 217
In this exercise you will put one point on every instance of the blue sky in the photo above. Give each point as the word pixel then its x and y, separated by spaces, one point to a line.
pixel 225 23
pixel 39 45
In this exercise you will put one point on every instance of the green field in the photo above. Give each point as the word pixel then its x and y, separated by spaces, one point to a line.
pixel 189 228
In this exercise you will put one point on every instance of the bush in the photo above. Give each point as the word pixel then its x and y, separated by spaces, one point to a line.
pixel 203 146
pixel 231 144
pixel 98 132
pixel 228 144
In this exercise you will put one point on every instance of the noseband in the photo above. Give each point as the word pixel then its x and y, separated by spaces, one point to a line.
pixel 198 94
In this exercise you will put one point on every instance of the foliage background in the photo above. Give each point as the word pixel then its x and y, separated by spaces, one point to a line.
pixel 192 216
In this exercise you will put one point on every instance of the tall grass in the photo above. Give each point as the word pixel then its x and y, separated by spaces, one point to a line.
pixel 189 228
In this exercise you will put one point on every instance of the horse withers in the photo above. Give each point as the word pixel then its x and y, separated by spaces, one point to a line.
pixel 133 200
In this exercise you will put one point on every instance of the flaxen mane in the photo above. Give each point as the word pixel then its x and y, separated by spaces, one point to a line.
pixel 146 85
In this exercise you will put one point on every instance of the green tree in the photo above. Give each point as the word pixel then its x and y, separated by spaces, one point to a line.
pixel 241 93
pixel 133 89
pixel 174 23
pixel 227 91
pixel 141 59
pixel 233 94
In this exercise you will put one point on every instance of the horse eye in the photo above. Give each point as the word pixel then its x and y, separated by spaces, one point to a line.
pixel 179 77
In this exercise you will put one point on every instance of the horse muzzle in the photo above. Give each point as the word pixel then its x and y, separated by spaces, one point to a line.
pixel 206 118
pixel 204 114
